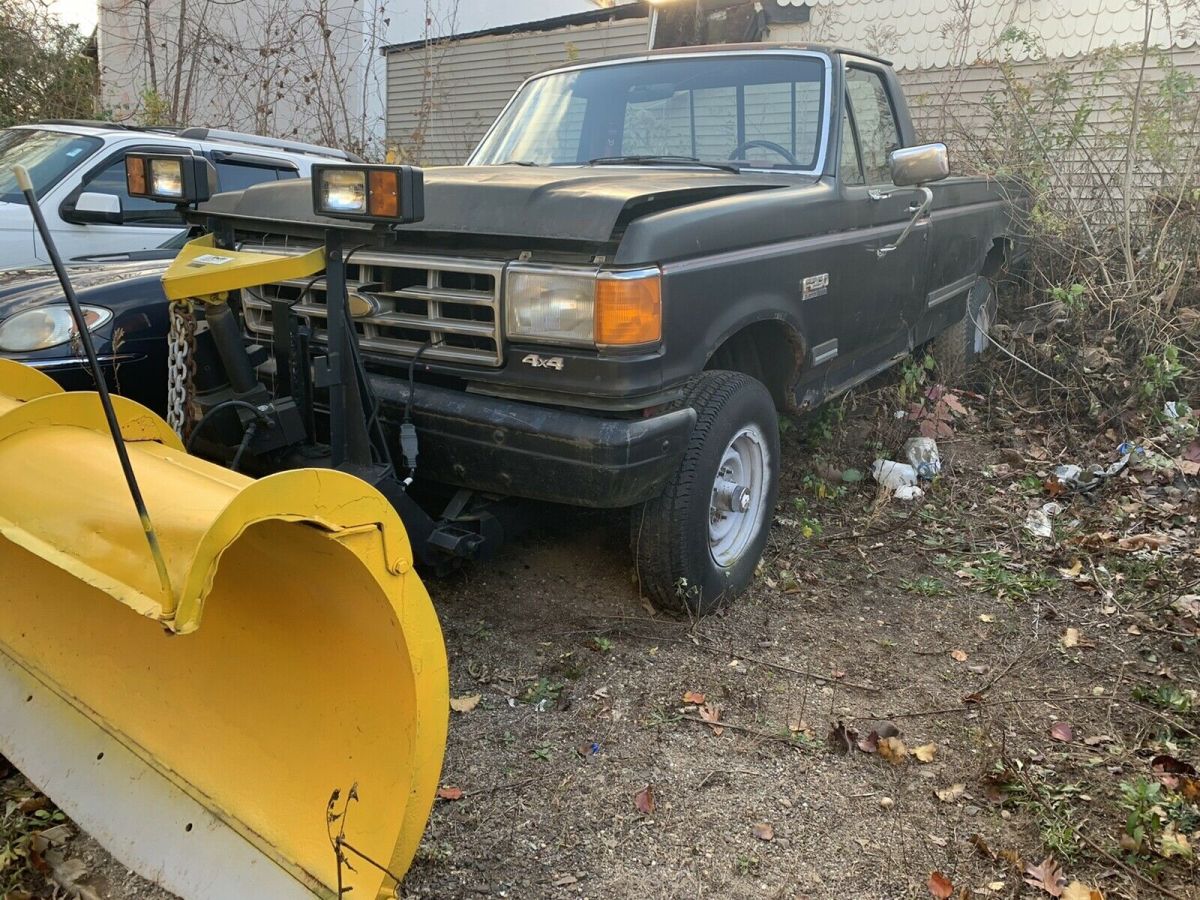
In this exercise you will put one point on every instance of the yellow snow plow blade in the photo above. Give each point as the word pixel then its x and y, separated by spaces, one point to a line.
pixel 199 735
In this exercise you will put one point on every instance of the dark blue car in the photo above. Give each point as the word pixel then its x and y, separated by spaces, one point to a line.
pixel 123 300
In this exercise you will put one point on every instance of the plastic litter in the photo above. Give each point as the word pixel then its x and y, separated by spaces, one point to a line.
pixel 892 474
pixel 1038 523
pixel 922 455
pixel 1076 479
pixel 909 492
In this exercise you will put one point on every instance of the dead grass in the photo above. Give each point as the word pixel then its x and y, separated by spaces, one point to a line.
pixel 854 620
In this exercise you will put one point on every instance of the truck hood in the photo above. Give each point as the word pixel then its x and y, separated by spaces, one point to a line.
pixel 30 288
pixel 578 203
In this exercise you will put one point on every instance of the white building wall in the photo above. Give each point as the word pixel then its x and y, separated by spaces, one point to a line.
pixel 931 34
pixel 289 68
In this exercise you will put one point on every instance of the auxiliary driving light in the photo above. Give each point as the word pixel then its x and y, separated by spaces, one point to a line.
pixel 373 193
pixel 172 178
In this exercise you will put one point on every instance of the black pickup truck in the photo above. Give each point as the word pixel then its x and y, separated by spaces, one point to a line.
pixel 644 263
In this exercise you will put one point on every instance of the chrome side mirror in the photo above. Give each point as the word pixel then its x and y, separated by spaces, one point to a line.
pixel 919 165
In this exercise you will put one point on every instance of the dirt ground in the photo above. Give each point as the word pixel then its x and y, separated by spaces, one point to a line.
pixel 1039 678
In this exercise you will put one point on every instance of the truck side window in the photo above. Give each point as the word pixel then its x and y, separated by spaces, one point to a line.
pixel 239 176
pixel 875 121
pixel 135 210
pixel 849 167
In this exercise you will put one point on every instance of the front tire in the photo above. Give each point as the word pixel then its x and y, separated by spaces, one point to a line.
pixel 696 545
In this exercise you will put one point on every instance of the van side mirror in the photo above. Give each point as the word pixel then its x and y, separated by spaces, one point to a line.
pixel 919 165
pixel 94 207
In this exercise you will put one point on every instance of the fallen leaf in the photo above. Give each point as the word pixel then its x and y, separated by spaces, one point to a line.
pixel 764 832
pixel 465 704
pixel 940 886
pixel 959 655
pixel 711 713
pixel 870 744
pixel 1047 876
pixel 995 886
pixel 937 840
pixel 1133 629
pixel 1097 739
pixel 1077 890
pixel 450 793
pixel 643 800
pixel 1070 638
pixel 1062 731
pixel 71 876
pixel 798 726
pixel 893 750
pixel 1074 571
pixel 1144 542
pixel 987 618
pixel 1174 844
pixel 973 697
pixel 952 793
pixel 925 753
pixel 693 697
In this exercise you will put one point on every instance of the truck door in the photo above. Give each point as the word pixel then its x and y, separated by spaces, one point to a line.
pixel 888 290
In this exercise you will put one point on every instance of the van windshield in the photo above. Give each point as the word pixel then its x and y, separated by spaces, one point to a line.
pixel 751 109
pixel 48 155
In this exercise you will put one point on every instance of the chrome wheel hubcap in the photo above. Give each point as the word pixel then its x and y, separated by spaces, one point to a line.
pixel 739 494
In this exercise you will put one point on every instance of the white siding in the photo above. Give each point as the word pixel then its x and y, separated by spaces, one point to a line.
pixel 466 83
pixel 922 34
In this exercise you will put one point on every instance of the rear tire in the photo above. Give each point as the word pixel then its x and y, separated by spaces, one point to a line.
pixel 962 344
pixel 696 546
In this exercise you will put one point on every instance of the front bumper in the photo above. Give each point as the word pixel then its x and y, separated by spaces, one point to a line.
pixel 544 453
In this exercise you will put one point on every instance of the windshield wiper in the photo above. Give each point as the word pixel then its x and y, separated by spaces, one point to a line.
pixel 518 162
pixel 656 160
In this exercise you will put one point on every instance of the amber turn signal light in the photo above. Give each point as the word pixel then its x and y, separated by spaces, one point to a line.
pixel 628 308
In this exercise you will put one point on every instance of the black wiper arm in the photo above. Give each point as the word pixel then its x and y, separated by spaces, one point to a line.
pixel 656 160
pixel 518 162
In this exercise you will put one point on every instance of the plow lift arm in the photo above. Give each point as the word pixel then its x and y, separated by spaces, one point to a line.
pixel 285 648
pixel 208 269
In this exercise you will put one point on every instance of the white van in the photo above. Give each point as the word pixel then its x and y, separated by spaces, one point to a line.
pixel 78 173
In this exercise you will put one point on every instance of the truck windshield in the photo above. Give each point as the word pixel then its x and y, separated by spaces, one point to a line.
pixel 48 155
pixel 753 109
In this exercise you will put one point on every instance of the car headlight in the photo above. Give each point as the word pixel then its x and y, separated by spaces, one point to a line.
pixel 46 326
pixel 583 306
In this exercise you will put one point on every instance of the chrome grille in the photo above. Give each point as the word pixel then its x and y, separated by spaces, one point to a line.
pixel 451 304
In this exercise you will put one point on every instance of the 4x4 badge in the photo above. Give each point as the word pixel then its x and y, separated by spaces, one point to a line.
pixel 544 362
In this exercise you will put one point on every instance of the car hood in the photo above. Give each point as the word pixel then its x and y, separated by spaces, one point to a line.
pixel 23 289
pixel 585 203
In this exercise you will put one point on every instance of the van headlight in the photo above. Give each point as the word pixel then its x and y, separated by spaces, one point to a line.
pixel 46 326
pixel 545 304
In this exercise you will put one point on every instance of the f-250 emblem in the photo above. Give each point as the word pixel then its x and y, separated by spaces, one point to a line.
pixel 544 362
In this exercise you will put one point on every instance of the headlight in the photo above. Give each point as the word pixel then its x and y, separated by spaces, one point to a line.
pixel 166 177
pixel 47 326
pixel 343 192
pixel 564 306
pixel 394 194
pixel 169 177
pixel 555 306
